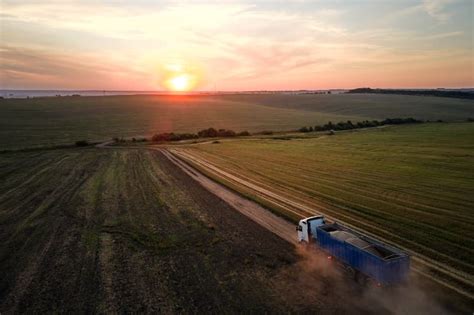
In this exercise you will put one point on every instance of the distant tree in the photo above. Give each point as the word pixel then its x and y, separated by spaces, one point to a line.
pixel 225 133
pixel 243 134
pixel 208 133
pixel 303 129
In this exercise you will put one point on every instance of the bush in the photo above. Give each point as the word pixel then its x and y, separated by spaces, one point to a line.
pixel 243 134
pixel 82 143
pixel 303 129
pixel 208 133
pixel 361 124
pixel 225 133
pixel 170 136
pixel 205 133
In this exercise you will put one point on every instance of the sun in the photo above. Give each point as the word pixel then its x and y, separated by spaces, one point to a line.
pixel 180 83
pixel 180 76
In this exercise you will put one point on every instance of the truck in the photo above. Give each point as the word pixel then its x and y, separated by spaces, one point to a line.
pixel 369 259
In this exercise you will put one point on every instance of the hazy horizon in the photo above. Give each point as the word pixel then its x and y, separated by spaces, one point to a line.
pixel 266 90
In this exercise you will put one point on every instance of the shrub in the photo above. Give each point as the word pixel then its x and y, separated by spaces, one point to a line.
pixel 170 136
pixel 243 134
pixel 82 143
pixel 225 133
pixel 361 124
pixel 208 133
pixel 303 129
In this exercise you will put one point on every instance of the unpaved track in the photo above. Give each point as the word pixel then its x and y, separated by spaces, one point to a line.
pixel 303 210
pixel 262 216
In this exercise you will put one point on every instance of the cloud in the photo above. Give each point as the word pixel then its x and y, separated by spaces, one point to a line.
pixel 442 35
pixel 436 9
pixel 18 66
pixel 124 44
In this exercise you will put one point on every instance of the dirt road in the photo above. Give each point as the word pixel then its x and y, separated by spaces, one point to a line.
pixel 300 210
pixel 262 216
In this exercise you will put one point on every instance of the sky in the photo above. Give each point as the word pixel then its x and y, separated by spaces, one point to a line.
pixel 234 45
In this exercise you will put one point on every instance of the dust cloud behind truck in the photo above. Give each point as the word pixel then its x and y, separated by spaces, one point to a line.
pixel 368 257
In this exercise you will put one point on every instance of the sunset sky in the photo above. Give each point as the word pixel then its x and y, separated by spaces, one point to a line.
pixel 227 45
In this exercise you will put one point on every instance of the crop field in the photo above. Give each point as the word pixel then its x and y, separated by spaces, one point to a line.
pixel 368 105
pixel 408 184
pixel 125 231
pixel 63 120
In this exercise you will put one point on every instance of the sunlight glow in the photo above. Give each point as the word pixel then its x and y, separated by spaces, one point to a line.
pixel 180 76
pixel 180 83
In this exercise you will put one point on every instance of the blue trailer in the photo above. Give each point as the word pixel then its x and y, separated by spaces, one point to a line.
pixel 381 263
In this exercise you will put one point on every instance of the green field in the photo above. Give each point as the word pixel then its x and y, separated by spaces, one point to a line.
pixel 410 184
pixel 64 120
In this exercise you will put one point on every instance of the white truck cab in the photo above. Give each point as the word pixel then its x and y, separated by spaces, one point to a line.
pixel 307 228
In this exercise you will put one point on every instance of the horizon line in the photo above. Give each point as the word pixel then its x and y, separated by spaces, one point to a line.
pixel 242 91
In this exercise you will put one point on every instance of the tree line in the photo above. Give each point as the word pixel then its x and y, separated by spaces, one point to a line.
pixel 361 124
pixel 466 94
pixel 205 133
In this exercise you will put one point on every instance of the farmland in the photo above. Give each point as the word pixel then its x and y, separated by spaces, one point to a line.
pixel 410 184
pixel 103 230
pixel 63 120
pixel 125 230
